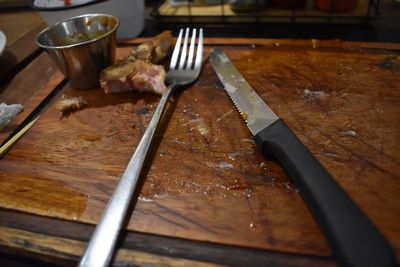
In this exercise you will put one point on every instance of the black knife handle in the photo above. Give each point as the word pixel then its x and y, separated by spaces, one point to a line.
pixel 354 240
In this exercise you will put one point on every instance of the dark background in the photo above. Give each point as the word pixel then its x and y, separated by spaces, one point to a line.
pixel 384 28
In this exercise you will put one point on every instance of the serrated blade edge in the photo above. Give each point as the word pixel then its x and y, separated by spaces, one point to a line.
pixel 253 109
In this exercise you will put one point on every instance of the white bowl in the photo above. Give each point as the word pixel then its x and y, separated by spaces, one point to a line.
pixel 131 13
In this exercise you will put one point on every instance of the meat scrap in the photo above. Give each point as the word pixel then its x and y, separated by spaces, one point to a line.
pixel 154 50
pixel 138 74
pixel 148 77
pixel 68 104
pixel 139 70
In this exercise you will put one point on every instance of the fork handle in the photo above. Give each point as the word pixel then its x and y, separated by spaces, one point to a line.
pixel 102 243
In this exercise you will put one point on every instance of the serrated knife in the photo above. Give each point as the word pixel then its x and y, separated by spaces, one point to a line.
pixel 354 240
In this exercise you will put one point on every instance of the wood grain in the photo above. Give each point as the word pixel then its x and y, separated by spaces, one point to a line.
pixel 29 87
pixel 23 20
pixel 20 28
pixel 67 252
pixel 156 244
pixel 205 180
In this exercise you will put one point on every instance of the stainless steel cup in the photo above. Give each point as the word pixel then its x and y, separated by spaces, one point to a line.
pixel 81 47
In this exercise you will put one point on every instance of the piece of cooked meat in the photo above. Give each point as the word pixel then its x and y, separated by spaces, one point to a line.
pixel 114 79
pixel 68 104
pixel 139 75
pixel 148 77
pixel 154 50
pixel 138 71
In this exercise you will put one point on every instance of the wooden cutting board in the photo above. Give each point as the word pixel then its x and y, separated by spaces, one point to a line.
pixel 205 180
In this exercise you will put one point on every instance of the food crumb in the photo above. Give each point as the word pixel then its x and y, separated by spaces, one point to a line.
pixel 287 186
pixel 202 128
pixel 248 192
pixel 313 94
pixel 349 133
pixel 233 155
pixel 332 155
pixel 225 165
pixel 314 43
pixel 68 104
pixel 221 165
pixel 247 140
pixel 225 115
pixel 145 199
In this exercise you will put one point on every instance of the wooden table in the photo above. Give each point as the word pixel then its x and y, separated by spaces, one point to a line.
pixel 208 197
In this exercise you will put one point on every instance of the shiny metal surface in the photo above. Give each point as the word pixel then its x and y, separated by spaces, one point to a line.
pixel 81 47
pixel 101 246
pixel 250 105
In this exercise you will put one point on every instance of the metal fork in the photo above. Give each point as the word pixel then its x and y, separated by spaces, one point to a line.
pixel 183 72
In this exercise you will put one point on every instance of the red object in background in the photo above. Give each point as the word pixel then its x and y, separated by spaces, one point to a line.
pixel 335 6
pixel 290 4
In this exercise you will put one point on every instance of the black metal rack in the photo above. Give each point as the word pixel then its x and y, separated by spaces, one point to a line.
pixel 197 13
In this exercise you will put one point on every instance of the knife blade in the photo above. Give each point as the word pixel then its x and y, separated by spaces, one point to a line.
pixel 354 240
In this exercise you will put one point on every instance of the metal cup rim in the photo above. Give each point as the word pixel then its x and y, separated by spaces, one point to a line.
pixel 80 43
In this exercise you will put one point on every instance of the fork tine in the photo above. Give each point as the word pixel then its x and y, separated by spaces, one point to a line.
pixel 199 53
pixel 175 54
pixel 191 50
pixel 184 50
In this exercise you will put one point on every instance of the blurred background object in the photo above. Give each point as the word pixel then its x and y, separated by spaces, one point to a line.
pixel 131 13
pixel 246 5
pixel 15 3
pixel 335 6
pixel 357 20
pixel 265 11
pixel 290 4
